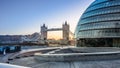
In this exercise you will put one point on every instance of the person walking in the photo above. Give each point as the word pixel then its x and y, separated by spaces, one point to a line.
pixel 4 52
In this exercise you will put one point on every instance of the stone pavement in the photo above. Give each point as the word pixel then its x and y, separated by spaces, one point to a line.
pixel 4 59
pixel 31 62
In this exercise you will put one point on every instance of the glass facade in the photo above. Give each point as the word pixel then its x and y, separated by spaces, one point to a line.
pixel 100 24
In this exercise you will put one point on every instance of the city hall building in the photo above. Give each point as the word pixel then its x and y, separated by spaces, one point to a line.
pixel 99 26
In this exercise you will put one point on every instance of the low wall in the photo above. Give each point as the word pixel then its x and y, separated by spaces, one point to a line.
pixel 66 57
pixel 31 52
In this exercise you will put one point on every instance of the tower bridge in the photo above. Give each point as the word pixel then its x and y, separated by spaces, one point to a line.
pixel 65 31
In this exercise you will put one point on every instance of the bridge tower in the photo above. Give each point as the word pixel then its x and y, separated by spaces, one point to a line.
pixel 65 28
pixel 43 32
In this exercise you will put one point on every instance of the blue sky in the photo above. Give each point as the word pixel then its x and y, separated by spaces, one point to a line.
pixel 26 16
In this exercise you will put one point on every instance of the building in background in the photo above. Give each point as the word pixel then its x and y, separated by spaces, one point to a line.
pixel 100 24
pixel 7 42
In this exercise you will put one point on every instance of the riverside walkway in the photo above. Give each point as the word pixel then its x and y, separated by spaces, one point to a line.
pixel 23 53
pixel 30 61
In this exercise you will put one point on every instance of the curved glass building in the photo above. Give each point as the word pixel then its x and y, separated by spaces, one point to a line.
pixel 100 24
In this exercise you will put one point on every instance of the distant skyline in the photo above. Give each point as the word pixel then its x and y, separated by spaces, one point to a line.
pixel 26 16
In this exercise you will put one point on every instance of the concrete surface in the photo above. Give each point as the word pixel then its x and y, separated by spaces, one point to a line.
pixel 30 62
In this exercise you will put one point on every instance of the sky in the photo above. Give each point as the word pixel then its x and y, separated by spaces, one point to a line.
pixel 26 16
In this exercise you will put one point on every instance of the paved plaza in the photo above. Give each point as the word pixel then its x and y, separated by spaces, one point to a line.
pixel 27 60
pixel 31 62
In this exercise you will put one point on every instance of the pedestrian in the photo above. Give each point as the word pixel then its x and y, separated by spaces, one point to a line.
pixel 4 52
